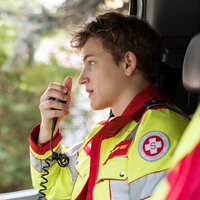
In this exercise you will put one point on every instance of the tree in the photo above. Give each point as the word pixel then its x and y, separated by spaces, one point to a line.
pixel 33 25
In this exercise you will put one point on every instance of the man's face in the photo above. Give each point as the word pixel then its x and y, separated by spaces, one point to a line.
pixel 102 77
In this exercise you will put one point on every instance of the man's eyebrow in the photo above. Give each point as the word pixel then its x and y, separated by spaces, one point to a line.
pixel 87 56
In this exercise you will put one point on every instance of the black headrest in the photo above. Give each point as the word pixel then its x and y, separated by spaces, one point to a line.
pixel 191 66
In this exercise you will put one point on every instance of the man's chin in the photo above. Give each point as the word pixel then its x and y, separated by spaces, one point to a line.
pixel 97 107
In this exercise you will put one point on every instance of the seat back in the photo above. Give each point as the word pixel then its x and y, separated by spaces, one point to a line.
pixel 191 70
pixel 176 21
pixel 191 66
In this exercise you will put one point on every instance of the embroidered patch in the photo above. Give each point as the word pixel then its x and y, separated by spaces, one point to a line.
pixel 153 145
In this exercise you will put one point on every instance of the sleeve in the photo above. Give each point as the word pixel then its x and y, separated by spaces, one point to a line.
pixel 156 139
pixel 59 180
pixel 182 181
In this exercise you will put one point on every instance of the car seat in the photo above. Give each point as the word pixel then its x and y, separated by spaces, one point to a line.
pixel 191 68
pixel 177 22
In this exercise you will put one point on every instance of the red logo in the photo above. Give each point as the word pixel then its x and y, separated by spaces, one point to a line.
pixel 153 145
pixel 120 149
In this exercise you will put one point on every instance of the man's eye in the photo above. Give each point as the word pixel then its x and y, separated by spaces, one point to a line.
pixel 91 63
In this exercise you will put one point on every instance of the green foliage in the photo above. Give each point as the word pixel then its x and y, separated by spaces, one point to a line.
pixel 20 92
pixel 8 34
pixel 23 81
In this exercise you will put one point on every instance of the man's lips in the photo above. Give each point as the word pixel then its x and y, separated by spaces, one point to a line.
pixel 90 92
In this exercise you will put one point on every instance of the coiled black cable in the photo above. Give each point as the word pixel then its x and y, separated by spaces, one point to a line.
pixel 61 159
pixel 42 184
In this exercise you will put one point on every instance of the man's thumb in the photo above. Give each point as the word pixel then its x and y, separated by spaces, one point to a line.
pixel 68 83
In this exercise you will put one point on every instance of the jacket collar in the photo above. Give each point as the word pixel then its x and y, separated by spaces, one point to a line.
pixel 148 93
pixel 134 110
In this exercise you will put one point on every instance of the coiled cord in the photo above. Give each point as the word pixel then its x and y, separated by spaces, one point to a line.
pixel 42 184
pixel 61 159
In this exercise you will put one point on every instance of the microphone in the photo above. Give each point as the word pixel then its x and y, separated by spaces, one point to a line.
pixel 56 118
pixel 61 159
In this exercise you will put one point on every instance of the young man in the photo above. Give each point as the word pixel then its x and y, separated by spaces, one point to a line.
pixel 126 155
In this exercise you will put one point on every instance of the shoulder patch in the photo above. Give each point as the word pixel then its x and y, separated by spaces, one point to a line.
pixel 153 145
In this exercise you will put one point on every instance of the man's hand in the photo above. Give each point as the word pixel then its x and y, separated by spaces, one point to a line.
pixel 58 91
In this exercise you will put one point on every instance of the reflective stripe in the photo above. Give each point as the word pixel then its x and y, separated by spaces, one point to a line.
pixel 119 189
pixel 38 164
pixel 143 187
pixel 139 189
pixel 72 153
pixel 133 133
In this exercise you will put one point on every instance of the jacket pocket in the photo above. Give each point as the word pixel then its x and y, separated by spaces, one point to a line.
pixel 116 172
pixel 115 168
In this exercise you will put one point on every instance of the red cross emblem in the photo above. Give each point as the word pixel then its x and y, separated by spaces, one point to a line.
pixel 153 145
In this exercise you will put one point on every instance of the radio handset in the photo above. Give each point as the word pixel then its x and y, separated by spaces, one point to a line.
pixel 61 159
pixel 56 118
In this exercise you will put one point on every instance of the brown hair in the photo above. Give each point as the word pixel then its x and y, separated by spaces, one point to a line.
pixel 120 34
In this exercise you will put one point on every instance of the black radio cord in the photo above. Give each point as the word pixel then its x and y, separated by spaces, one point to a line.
pixel 61 159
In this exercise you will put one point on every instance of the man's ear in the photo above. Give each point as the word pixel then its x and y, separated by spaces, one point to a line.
pixel 130 62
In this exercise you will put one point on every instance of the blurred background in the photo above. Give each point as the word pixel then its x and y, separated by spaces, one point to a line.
pixel 34 51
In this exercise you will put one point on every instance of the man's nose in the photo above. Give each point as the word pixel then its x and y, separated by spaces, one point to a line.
pixel 83 78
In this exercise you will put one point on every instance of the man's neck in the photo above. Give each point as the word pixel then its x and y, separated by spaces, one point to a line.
pixel 126 98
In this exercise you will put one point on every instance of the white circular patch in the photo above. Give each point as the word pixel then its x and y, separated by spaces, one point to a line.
pixel 153 145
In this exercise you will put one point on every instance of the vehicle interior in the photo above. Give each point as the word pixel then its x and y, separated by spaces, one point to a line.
pixel 177 22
